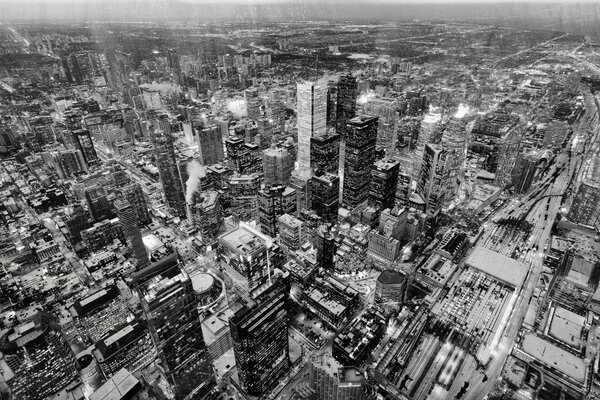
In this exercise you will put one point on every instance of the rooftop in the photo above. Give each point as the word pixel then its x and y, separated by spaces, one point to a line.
pixel 242 240
pixel 503 268
pixel 120 386
pixel 567 327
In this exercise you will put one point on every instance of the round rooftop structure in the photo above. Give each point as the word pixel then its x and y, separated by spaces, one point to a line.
pixel 202 283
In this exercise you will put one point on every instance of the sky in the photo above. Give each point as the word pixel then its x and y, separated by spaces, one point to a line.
pixel 557 11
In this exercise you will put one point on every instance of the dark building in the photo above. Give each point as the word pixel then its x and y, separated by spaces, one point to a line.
pixel 134 194
pixel 210 144
pixel 83 139
pixel 384 182
pixel 325 153
pixel 353 345
pixel 166 162
pixel 346 103
pixel 361 138
pixel 390 287
pixel 326 247
pixel 244 158
pixel 273 203
pixel 40 360
pixel 169 306
pixel 332 93
pixel 260 341
pixel 98 204
pixel 324 196
pixel 131 230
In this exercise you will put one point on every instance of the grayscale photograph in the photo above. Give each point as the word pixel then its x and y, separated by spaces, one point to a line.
pixel 299 200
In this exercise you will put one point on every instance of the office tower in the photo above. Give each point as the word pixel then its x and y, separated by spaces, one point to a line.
pixel 361 137
pixel 174 64
pixel 69 163
pixel 252 103
pixel 384 182
pixel 291 232
pixel 134 194
pixel 249 258
pixel 38 361
pixel 205 212
pixel 454 140
pixel 387 111
pixel 76 220
pixel 260 341
pixel 349 383
pixel 432 184
pixel 325 196
pixel 277 109
pixel 312 119
pixel 83 140
pixel 585 209
pixel 119 177
pixel 210 145
pixel 244 158
pixel 166 162
pixel 272 203
pixel 169 306
pixel 325 153
pixel 326 247
pixel 346 103
pixel 429 132
pixel 265 130
pixel 332 93
pixel 98 204
pixel 131 229
pixel 526 167
pixel 278 165
pixel 243 192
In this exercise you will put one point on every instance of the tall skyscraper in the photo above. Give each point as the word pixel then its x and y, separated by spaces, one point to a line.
pixel 134 194
pixel 272 203
pixel 210 145
pixel 325 195
pixel 98 204
pixel 260 341
pixel 325 153
pixel 252 103
pixel 429 133
pixel 166 162
pixel 432 184
pixel 384 181
pixel 38 358
pixel 278 165
pixel 83 140
pixel 346 103
pixel 174 64
pixel 131 229
pixel 312 120
pixel 454 140
pixel 361 138
pixel 169 306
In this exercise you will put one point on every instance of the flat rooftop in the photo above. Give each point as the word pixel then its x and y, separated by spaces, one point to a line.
pixel 555 357
pixel 500 267
pixel 242 240
pixel 567 326
pixel 120 386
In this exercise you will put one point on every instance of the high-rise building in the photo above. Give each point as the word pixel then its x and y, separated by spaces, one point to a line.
pixel 585 209
pixel 332 90
pixel 69 163
pixel 349 383
pixel 243 192
pixel 272 203
pixel 429 132
pixel 134 194
pixel 432 184
pixel 98 204
pixel 174 64
pixel 326 247
pixel 454 140
pixel 205 212
pixel 244 158
pixel 346 103
pixel 131 229
pixel 260 341
pixel 325 153
pixel 384 181
pixel 252 103
pixel 249 257
pixel 312 120
pixel 166 162
pixel 291 232
pixel 169 306
pixel 278 165
pixel 325 196
pixel 83 140
pixel 210 145
pixel 38 361
pixel 361 138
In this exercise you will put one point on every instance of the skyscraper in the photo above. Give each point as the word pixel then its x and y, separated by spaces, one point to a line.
pixel 252 103
pixel 166 162
pixel 169 306
pixel 134 194
pixel 384 181
pixel 361 138
pixel 131 229
pixel 346 103
pixel 210 145
pixel 428 133
pixel 272 203
pixel 98 204
pixel 454 140
pixel 325 153
pixel 432 184
pixel 83 139
pixel 324 196
pixel 312 119
pixel 39 361
pixel 260 341
pixel 278 165
pixel 174 64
